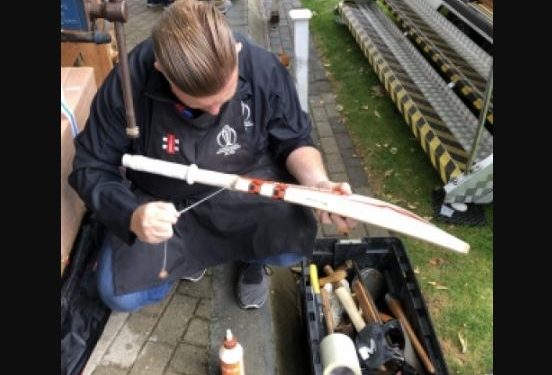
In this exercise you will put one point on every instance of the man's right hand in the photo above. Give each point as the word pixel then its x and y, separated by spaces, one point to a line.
pixel 152 222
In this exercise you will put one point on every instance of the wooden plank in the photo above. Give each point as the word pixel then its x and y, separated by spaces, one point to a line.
pixel 69 54
pixel 97 56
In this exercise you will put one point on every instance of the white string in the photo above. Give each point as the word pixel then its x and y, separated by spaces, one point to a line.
pixel 163 269
pixel 201 200
pixel 65 110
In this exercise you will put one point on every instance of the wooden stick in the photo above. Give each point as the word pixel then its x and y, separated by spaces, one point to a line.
pixel 358 207
pixel 334 278
pixel 396 308
pixel 366 303
pixel 329 271
pixel 328 316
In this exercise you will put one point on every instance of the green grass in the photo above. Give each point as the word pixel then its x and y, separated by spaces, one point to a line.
pixel 401 173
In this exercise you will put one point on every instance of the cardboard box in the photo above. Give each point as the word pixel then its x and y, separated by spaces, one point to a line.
pixel 79 87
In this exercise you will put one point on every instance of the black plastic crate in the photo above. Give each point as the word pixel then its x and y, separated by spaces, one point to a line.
pixel 387 255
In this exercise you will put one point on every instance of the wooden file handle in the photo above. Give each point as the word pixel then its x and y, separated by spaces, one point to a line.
pixel 366 302
pixel 328 316
pixel 395 307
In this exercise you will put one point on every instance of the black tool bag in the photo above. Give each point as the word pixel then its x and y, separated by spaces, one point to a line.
pixel 83 314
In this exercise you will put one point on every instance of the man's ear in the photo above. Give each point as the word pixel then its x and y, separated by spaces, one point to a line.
pixel 157 66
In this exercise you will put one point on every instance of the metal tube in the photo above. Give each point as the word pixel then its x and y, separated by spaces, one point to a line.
pixel 482 117
pixel 98 37
pixel 132 129
pixel 116 11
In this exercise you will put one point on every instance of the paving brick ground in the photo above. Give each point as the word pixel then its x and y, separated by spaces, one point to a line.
pixel 172 338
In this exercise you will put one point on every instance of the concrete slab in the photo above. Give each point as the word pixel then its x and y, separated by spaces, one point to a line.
pixel 253 328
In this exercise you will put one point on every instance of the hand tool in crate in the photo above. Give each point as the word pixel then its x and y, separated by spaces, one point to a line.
pixel 381 263
pixel 337 351
pixel 373 348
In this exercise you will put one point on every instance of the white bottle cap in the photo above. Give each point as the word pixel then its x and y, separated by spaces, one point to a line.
pixel 230 341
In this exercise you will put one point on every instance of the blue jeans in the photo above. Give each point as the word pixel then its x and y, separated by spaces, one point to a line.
pixel 135 301
pixel 159 2
pixel 162 2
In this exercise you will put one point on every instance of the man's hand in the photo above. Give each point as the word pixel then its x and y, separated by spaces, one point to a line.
pixel 343 224
pixel 152 222
pixel 305 164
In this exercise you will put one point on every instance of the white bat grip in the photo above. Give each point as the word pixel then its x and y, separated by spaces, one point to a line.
pixel 190 174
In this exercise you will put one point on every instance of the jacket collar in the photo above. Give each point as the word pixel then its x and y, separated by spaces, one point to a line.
pixel 158 88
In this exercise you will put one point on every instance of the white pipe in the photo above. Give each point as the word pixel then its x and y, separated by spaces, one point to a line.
pixel 365 209
pixel 300 18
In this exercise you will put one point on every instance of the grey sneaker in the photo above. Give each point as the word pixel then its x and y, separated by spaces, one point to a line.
pixel 194 278
pixel 252 285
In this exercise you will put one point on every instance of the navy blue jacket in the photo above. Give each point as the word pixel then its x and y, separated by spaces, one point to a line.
pixel 253 135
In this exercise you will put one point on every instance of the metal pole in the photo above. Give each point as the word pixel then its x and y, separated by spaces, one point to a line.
pixel 482 118
pixel 116 11
pixel 132 129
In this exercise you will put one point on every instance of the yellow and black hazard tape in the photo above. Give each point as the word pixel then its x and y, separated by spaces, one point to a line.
pixel 464 87
pixel 438 154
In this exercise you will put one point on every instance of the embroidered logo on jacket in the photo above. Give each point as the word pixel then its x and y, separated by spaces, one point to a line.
pixel 246 113
pixel 170 144
pixel 226 139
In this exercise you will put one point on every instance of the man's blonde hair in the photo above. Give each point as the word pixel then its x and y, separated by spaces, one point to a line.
pixel 195 47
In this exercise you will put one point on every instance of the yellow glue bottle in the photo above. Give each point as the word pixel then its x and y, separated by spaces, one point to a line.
pixel 231 355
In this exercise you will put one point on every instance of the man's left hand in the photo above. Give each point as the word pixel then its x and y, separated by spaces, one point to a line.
pixel 343 224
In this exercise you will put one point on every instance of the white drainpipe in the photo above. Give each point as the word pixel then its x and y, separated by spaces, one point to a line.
pixel 300 18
